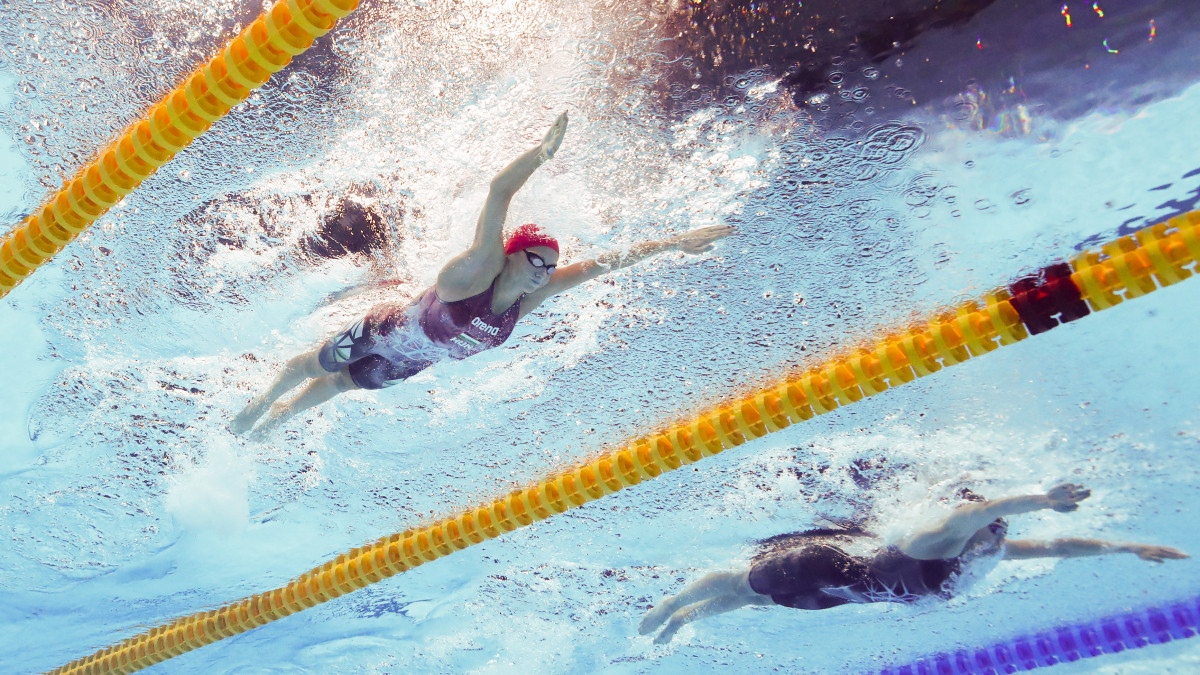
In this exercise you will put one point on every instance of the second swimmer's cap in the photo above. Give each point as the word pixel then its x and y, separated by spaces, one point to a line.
pixel 528 236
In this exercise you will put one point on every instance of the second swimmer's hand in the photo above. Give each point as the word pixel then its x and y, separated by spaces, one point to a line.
pixel 1157 553
pixel 701 239
pixel 554 138
pixel 1066 497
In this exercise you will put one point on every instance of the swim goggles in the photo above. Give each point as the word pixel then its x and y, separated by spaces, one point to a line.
pixel 537 261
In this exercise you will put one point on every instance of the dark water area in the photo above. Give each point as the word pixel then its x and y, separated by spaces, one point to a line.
pixel 971 59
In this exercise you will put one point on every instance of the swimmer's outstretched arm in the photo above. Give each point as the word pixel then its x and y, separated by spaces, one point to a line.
pixel 693 241
pixel 946 538
pixel 474 270
pixel 1019 549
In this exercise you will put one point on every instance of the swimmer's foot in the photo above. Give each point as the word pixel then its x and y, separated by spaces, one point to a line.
pixel 668 632
pixel 246 418
pixel 261 432
pixel 264 430
pixel 655 617
pixel 280 412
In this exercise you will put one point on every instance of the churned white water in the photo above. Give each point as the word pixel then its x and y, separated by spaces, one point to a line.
pixel 126 502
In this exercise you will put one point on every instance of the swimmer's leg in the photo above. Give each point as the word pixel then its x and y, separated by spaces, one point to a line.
pixel 303 367
pixel 701 610
pixel 708 587
pixel 317 392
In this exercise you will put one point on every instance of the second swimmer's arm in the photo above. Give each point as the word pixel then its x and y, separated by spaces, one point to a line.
pixel 1078 548
pixel 946 538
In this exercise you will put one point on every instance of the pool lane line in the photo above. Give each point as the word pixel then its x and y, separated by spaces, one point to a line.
pixel 247 62
pixel 1127 268
pixel 1066 644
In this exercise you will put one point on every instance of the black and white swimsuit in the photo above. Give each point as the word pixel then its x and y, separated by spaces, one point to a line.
pixel 820 575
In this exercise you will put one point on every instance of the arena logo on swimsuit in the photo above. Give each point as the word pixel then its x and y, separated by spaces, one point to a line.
pixel 490 330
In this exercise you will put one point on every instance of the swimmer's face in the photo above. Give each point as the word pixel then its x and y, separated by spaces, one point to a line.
pixel 536 263
pixel 990 536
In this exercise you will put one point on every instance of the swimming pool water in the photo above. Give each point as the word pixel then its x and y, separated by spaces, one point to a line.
pixel 126 502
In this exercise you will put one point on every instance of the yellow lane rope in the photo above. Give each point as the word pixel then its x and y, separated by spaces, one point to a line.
pixel 1124 269
pixel 247 62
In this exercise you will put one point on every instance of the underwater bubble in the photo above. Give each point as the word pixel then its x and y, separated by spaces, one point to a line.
pixel 81 30
pixel 299 86
pixel 346 43
pixel 891 143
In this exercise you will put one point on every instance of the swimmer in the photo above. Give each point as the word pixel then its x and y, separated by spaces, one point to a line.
pixel 478 298
pixel 810 570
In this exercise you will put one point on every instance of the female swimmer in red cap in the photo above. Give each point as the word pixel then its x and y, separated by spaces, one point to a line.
pixel 477 299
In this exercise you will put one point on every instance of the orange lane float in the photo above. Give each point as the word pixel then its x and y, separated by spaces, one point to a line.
pixel 246 63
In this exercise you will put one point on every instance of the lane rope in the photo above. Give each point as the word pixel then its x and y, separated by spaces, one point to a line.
pixel 1066 644
pixel 247 62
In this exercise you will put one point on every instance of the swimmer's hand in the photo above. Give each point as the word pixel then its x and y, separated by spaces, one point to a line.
pixel 1155 553
pixel 553 139
pixel 701 239
pixel 1066 497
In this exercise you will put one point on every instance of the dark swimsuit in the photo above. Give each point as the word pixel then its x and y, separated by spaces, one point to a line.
pixel 819 575
pixel 396 341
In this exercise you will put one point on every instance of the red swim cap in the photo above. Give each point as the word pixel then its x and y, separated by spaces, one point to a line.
pixel 528 236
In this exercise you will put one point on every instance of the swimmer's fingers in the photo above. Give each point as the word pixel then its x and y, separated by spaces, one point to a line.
pixel 702 239
pixel 1160 554
pixel 1149 555
pixel 1066 488
pixel 1066 497
pixel 716 231
pixel 694 246
pixel 554 137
